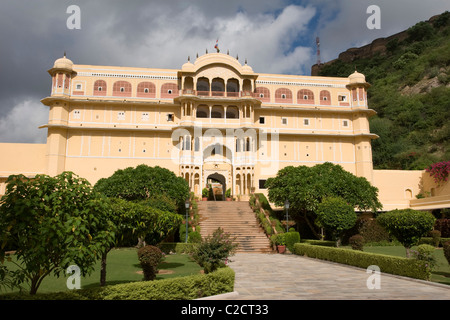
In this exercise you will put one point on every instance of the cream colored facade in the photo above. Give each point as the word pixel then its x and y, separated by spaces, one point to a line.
pixel 212 119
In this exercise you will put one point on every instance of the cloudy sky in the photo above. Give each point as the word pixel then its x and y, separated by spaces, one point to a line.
pixel 275 36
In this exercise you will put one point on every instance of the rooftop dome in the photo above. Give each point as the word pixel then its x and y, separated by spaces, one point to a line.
pixel 188 66
pixel 357 77
pixel 63 63
pixel 246 68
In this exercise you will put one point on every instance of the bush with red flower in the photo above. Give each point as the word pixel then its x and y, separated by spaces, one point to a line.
pixel 439 171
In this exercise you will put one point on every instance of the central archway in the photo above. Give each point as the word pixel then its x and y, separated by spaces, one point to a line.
pixel 214 179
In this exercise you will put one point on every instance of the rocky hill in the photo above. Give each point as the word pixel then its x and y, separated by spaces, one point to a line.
pixel 377 46
pixel 410 77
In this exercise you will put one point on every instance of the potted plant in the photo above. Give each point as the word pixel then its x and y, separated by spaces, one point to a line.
pixel 228 194
pixel 205 194
pixel 281 243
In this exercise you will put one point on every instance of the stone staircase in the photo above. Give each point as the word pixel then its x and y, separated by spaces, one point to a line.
pixel 236 218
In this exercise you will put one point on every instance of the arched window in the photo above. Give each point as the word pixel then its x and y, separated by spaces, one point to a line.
pixel 305 96
pixel 100 88
pixel 283 95
pixel 233 88
pixel 232 112
pixel 262 94
pixel 217 87
pixel 203 87
pixel 408 194
pixel 122 89
pixel 188 84
pixel 146 90
pixel 217 112
pixel 202 112
pixel 325 97
pixel 169 90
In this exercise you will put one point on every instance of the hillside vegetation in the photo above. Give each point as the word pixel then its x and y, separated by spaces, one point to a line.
pixel 410 91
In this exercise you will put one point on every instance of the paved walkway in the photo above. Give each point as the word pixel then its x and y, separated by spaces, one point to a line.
pixel 292 277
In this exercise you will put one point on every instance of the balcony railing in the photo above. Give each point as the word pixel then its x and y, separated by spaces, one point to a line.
pixel 219 93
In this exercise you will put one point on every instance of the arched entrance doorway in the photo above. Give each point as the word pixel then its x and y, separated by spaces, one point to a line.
pixel 217 183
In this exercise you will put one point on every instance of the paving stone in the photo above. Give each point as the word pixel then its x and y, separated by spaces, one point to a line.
pixel 262 276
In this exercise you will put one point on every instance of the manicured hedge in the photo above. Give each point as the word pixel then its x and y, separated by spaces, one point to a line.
pixel 291 237
pixel 181 288
pixel 388 264
pixel 326 243
pixel 429 240
pixel 176 247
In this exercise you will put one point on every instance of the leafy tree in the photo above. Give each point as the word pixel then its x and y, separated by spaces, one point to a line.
pixel 140 220
pixel 407 225
pixel 420 31
pixel 336 215
pixel 144 182
pixel 53 222
pixel 306 187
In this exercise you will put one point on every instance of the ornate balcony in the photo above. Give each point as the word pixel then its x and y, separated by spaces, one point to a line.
pixel 241 94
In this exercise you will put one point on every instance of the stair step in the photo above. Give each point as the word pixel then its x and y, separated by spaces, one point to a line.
pixel 236 218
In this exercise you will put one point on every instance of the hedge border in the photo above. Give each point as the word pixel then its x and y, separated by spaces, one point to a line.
pixel 388 264
pixel 181 288
pixel 429 240
pixel 177 247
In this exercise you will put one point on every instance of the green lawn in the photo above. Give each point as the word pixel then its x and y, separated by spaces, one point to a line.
pixel 441 273
pixel 122 267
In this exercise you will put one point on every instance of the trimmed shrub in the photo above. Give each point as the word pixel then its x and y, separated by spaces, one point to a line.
pixel 181 288
pixel 177 247
pixel 436 237
pixel 149 258
pixel 213 251
pixel 326 243
pixel 430 241
pixel 291 238
pixel 443 225
pixel 424 252
pixel 407 225
pixel 372 231
pixel 446 248
pixel 389 264
pixel 357 242
pixel 194 237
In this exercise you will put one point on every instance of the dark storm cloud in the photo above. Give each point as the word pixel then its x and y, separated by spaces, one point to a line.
pixel 277 36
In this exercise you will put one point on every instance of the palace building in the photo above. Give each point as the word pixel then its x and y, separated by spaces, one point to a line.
pixel 211 120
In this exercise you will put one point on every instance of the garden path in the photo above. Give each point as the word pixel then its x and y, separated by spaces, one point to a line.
pixel 292 277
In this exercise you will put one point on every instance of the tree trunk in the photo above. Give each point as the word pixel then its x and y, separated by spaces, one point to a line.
pixel 408 252
pixel 310 225
pixel 141 243
pixel 103 269
pixel 33 287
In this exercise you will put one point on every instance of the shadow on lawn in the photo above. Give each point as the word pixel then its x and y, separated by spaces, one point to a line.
pixel 170 265
pixel 164 265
